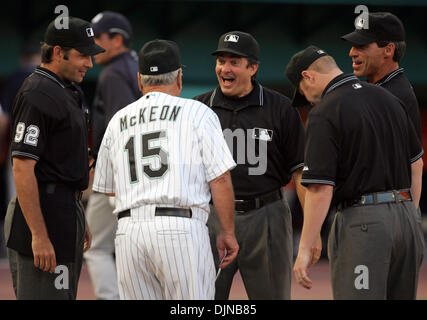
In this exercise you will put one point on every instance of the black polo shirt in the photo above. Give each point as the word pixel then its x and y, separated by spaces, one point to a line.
pixel 49 124
pixel 266 137
pixel 398 84
pixel 359 140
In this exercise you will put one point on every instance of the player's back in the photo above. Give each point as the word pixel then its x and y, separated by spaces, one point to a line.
pixel 157 148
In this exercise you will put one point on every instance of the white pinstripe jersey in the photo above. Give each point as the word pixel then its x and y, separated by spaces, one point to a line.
pixel 162 150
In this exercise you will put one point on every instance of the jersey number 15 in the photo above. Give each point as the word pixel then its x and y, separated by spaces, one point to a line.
pixel 147 152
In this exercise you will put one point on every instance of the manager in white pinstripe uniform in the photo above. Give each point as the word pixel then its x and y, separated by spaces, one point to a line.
pixel 163 156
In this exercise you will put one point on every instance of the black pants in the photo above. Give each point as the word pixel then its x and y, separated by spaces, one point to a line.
pixel 265 256
pixel 376 251
pixel 31 283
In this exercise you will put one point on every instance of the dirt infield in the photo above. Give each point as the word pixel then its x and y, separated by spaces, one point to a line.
pixel 319 274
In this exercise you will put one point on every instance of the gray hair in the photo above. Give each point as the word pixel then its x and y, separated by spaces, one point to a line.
pixel 158 80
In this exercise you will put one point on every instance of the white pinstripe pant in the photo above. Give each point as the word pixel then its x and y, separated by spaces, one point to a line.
pixel 164 258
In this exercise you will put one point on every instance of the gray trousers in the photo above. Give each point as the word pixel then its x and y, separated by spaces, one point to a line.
pixel 265 256
pixel 100 259
pixel 31 283
pixel 376 251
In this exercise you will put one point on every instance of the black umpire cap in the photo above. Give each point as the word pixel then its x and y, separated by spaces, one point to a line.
pixel 112 22
pixel 299 62
pixel 78 35
pixel 238 43
pixel 158 57
pixel 380 26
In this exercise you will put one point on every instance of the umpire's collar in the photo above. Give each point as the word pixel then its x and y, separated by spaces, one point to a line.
pixel 254 98
pixel 338 81
pixel 52 76
pixel 389 76
pixel 75 88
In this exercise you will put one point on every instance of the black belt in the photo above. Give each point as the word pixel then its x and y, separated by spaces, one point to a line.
pixel 162 211
pixel 51 188
pixel 242 206
pixel 377 198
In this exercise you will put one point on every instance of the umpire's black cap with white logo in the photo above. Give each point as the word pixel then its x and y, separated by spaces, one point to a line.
pixel 238 43
pixel 112 22
pixel 78 35
pixel 380 26
pixel 299 62
pixel 159 57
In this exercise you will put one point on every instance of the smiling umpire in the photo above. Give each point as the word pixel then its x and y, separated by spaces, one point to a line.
pixel 378 45
pixel 45 224
pixel 272 129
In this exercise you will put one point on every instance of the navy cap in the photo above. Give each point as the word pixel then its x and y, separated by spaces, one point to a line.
pixel 112 22
pixel 79 35
pixel 238 43
pixel 299 62
pixel 380 26
pixel 158 57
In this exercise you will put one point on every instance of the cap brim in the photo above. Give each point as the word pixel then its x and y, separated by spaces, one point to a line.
pixel 91 50
pixel 299 100
pixel 358 38
pixel 215 53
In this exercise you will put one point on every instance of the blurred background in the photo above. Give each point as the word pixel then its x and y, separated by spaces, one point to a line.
pixel 281 27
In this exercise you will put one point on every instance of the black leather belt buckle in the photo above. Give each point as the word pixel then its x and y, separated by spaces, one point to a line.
pixel 173 212
pixel 243 206
pixel 239 206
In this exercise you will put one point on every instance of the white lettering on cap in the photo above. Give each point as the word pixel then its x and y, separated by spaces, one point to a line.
pixel 89 32
pixel 231 38
pixel 154 69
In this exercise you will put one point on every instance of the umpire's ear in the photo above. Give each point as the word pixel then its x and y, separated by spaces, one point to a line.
pixel 139 82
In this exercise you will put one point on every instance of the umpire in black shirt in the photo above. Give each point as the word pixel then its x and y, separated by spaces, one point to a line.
pixel 266 136
pixel 363 157
pixel 378 45
pixel 45 224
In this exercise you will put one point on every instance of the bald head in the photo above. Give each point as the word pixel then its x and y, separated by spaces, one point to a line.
pixel 316 78
pixel 324 65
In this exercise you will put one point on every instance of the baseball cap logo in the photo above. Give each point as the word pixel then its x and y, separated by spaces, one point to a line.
pixel 154 69
pixel 231 38
pixel 89 32
pixel 320 51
